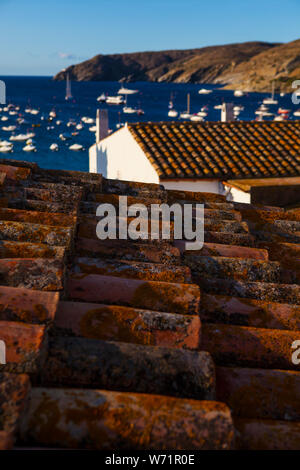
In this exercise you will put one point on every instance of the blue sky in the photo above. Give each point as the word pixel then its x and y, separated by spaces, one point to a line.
pixel 42 37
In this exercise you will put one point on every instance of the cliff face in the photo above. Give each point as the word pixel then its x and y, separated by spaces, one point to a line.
pixel 250 66
pixel 281 64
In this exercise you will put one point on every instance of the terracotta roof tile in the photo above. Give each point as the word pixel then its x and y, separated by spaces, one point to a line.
pixel 14 390
pixel 221 150
pixel 156 421
pixel 127 324
pixel 143 320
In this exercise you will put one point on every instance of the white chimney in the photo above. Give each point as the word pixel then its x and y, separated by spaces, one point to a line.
pixel 101 125
pixel 227 113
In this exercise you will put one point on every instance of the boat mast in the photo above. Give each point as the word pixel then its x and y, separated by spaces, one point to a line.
pixel 68 88
pixel 188 103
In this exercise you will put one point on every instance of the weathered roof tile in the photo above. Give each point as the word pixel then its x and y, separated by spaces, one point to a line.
pixel 121 366
pixel 220 149
pixel 156 422
pixel 26 305
pixel 14 390
pixel 26 347
pixel 153 295
pixel 126 324
pixel 137 303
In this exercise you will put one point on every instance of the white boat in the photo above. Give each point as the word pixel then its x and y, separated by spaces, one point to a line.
pixel 88 120
pixel 278 118
pixel 22 137
pixel 4 118
pixel 264 107
pixel 52 114
pixel 79 126
pixel 6 148
pixel 117 100
pixel 202 112
pixel 127 91
pixel 261 112
pixel 54 147
pixel 173 113
pixel 58 123
pixel 101 98
pixel 218 106
pixel 34 112
pixel 9 128
pixel 65 136
pixel 204 91
pixel 186 114
pixel 271 99
pixel 297 113
pixel 238 93
pixel 29 148
pixel 93 128
pixel 76 147
pixel 129 110
pixel 22 121
pixel 196 118
pixel 5 143
pixel 237 110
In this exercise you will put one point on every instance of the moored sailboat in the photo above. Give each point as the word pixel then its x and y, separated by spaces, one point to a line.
pixel 68 89
pixel 271 99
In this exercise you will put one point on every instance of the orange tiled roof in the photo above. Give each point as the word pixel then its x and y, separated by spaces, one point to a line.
pixel 130 345
pixel 221 149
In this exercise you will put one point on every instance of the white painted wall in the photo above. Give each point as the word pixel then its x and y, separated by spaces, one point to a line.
pixel 237 195
pixel 211 186
pixel 2 352
pixel 118 156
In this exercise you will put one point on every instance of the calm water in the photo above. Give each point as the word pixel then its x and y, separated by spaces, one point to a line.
pixel 45 94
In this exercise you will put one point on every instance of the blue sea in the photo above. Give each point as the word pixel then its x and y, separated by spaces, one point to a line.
pixel 44 94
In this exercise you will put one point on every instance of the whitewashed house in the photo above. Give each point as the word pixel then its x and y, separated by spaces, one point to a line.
pixel 218 157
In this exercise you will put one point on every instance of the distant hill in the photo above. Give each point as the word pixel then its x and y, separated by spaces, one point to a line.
pixel 250 66
pixel 280 64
